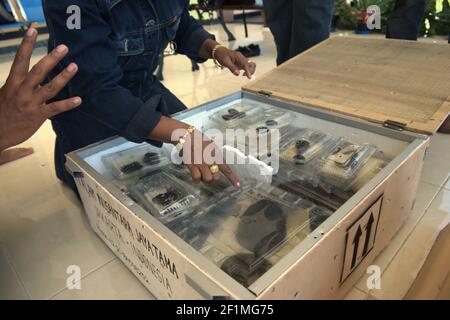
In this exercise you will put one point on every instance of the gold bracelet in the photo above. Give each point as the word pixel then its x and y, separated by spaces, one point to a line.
pixel 182 140
pixel 217 63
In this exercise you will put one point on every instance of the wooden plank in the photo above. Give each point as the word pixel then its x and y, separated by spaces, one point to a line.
pixel 372 79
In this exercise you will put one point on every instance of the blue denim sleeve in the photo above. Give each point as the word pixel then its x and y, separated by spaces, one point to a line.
pixel 191 36
pixel 98 77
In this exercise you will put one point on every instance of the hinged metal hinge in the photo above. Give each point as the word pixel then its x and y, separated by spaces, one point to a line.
pixel 265 93
pixel 394 125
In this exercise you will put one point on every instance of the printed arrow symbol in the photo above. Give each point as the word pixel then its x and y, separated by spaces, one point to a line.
pixel 368 234
pixel 356 245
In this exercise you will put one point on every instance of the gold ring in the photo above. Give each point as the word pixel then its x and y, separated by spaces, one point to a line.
pixel 214 168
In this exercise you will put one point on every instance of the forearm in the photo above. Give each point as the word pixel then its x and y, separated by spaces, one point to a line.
pixel 207 48
pixel 163 131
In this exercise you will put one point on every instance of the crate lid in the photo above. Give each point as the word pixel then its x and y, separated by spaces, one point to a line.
pixel 404 83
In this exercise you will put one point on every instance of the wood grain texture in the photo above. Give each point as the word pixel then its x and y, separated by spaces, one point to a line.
pixel 372 79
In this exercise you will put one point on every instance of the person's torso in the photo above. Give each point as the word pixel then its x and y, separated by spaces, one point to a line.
pixel 141 30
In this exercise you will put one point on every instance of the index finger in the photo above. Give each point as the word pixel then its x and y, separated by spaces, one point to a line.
pixel 247 66
pixel 248 71
pixel 21 64
pixel 229 174
pixel 250 68
pixel 230 64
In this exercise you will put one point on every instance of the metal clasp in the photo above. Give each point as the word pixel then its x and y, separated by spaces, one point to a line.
pixel 394 125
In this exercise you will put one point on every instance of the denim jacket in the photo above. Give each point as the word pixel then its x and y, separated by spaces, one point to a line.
pixel 117 51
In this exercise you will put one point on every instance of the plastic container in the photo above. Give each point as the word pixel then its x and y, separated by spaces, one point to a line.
pixel 373 166
pixel 135 161
pixel 262 141
pixel 340 168
pixel 207 191
pixel 163 195
pixel 243 231
pixel 239 115
pixel 273 118
pixel 305 145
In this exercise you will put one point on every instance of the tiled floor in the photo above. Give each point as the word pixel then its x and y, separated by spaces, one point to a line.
pixel 412 250
pixel 43 230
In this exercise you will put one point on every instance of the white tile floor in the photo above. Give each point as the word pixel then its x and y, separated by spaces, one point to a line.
pixel 43 229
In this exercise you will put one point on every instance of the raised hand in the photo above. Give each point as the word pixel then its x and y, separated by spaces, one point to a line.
pixel 23 107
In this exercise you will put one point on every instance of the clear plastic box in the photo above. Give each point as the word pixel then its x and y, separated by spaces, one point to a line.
pixel 163 195
pixel 239 115
pixel 273 118
pixel 135 161
pixel 339 169
pixel 245 230
pixel 207 191
pixel 263 141
pixel 373 166
pixel 305 145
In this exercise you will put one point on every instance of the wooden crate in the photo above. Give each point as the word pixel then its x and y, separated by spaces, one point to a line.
pixel 370 89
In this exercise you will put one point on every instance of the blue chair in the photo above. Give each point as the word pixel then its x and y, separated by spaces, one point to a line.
pixel 8 19
pixel 28 12
pixel 25 13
